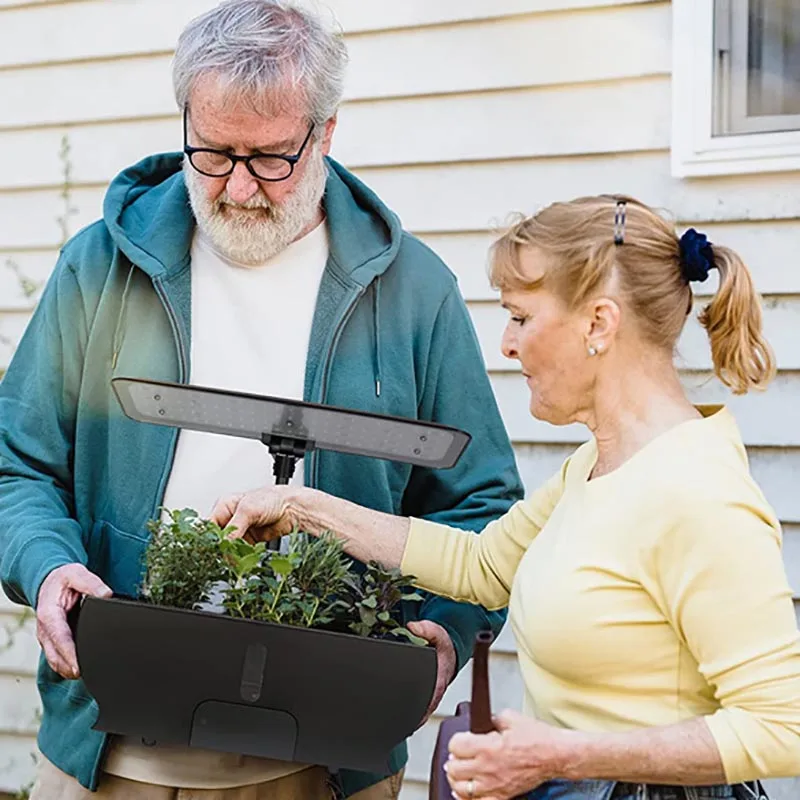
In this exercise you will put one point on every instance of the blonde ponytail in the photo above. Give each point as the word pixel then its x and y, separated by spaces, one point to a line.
pixel 743 359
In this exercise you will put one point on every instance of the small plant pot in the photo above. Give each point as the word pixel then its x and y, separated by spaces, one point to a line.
pixel 204 680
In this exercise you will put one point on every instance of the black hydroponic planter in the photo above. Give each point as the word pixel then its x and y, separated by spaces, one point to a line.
pixel 205 680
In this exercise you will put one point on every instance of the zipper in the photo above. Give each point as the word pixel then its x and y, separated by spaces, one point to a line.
pixel 182 376
pixel 326 367
pixel 176 331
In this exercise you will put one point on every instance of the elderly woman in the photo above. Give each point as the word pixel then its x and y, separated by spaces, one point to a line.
pixel 656 635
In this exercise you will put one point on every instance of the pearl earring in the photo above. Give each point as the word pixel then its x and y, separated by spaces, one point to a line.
pixel 592 351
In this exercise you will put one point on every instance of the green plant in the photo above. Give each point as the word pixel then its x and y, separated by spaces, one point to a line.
pixel 183 560
pixel 68 209
pixel 312 585
pixel 303 587
pixel 376 596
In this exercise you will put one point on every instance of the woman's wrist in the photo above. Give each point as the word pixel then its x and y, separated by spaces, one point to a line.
pixel 570 761
pixel 297 509
pixel 366 534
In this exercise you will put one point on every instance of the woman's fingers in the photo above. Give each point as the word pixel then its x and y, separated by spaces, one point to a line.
pixel 255 516
pixel 458 769
pixel 224 509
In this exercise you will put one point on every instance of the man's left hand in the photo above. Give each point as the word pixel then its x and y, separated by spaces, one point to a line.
pixel 445 659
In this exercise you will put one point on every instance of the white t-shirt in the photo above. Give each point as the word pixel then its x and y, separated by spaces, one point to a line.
pixel 250 332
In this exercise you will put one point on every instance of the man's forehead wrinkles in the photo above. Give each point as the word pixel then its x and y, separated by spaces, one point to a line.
pixel 256 145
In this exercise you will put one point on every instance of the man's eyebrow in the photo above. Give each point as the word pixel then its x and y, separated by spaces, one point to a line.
pixel 275 147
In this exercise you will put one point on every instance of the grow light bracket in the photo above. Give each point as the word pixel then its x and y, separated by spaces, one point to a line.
pixel 291 428
pixel 285 452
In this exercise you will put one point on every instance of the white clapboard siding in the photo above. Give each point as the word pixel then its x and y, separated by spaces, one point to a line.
pixel 479 196
pixel 624 116
pixel 19 699
pixel 476 196
pixel 457 113
pixel 128 29
pixel 534 50
pixel 17 270
pixel 17 761
pixel 19 649
pixel 19 703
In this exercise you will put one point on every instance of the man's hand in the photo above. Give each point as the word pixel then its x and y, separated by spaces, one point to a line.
pixel 59 592
pixel 445 659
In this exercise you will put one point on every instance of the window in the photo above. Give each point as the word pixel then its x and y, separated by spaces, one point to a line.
pixel 736 86
pixel 757 63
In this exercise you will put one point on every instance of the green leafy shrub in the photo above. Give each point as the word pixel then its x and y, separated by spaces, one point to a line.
pixel 312 585
pixel 183 560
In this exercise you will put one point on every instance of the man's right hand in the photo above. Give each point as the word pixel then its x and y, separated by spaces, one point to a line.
pixel 59 592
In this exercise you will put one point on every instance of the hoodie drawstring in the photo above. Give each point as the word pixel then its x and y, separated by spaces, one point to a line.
pixel 376 325
pixel 117 340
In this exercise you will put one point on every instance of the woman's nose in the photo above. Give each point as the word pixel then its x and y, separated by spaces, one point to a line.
pixel 508 345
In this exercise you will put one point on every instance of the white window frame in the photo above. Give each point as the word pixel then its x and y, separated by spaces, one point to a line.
pixel 695 150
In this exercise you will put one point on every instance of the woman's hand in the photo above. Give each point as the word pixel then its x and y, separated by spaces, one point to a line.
pixel 258 516
pixel 275 511
pixel 522 754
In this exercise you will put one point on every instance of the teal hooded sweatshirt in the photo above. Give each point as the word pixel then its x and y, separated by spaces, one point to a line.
pixel 79 480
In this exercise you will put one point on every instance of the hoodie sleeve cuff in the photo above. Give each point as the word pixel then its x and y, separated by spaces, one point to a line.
pixel 29 569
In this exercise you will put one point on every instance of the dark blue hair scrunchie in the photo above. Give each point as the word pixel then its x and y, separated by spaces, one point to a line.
pixel 697 256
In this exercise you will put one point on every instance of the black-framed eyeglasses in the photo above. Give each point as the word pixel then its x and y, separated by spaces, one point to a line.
pixel 219 164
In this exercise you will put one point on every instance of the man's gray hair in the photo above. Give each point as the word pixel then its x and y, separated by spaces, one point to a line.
pixel 265 51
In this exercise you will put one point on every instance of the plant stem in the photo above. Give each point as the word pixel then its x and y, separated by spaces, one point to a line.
pixel 281 581
pixel 310 617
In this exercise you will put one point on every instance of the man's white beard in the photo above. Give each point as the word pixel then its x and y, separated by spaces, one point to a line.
pixel 251 237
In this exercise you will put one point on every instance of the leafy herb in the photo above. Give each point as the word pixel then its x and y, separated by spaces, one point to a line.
pixel 183 560
pixel 376 598
pixel 313 585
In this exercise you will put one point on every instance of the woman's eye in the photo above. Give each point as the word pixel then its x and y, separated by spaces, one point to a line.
pixel 519 320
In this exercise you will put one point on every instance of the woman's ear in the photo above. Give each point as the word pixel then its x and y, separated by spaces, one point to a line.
pixel 603 323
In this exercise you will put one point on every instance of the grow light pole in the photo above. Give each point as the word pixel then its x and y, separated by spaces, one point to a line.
pixel 286 451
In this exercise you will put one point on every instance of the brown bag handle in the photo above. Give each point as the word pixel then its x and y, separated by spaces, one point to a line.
pixel 481 706
pixel 475 716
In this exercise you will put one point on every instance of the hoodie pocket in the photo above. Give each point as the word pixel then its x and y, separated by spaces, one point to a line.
pixel 117 557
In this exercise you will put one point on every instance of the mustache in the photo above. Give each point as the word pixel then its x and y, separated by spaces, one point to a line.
pixel 256 201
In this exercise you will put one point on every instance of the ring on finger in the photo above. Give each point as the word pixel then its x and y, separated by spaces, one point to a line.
pixel 471 788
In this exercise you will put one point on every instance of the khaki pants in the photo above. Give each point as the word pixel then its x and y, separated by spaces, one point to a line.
pixel 310 784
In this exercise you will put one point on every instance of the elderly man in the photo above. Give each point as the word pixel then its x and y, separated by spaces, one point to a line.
pixel 252 262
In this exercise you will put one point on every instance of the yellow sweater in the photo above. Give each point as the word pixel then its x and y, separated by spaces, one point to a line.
pixel 644 597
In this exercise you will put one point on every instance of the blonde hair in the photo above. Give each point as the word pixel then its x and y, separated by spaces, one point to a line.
pixel 582 259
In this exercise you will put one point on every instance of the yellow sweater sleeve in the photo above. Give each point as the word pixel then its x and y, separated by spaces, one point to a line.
pixel 726 593
pixel 479 567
